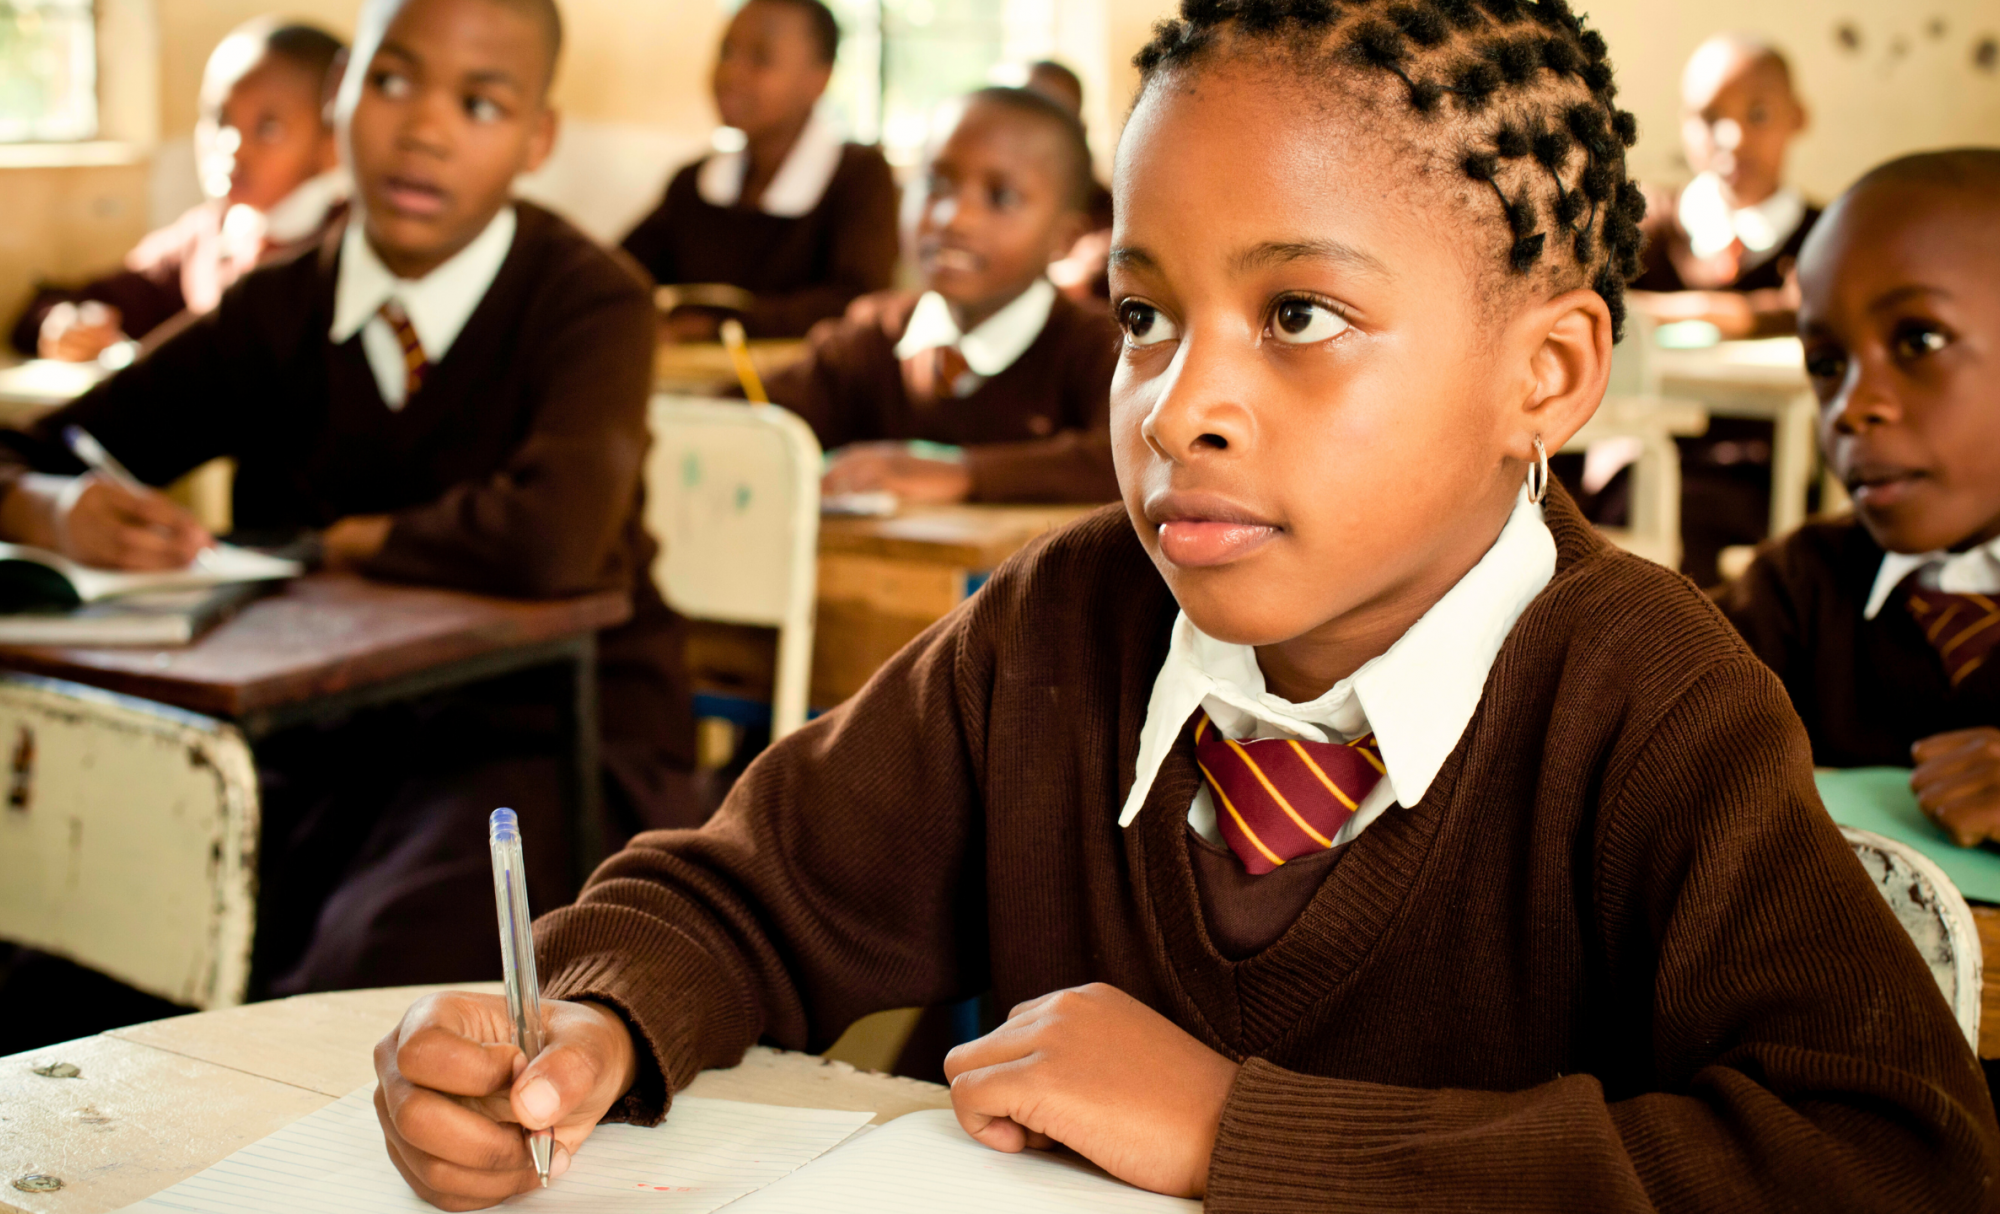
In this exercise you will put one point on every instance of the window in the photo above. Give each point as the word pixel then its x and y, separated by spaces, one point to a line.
pixel 48 70
pixel 899 58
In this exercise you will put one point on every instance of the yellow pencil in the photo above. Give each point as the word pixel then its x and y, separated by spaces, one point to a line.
pixel 739 354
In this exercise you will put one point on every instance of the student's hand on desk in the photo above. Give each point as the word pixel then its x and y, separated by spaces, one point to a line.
pixel 1101 1073
pixel 1729 311
pixel 354 540
pixel 1957 782
pixel 78 333
pixel 453 1095
pixel 891 468
pixel 690 325
pixel 107 525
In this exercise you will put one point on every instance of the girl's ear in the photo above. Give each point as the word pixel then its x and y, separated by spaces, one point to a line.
pixel 1567 370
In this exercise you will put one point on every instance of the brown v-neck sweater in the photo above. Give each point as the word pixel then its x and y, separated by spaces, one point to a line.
pixel 1039 431
pixel 514 471
pixel 1867 689
pixel 1617 958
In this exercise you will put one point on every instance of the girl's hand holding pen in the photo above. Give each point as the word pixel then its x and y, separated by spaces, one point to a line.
pixel 454 1094
pixel 97 521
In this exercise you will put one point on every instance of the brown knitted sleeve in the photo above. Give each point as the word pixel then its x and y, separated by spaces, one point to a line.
pixel 840 878
pixel 1801 1056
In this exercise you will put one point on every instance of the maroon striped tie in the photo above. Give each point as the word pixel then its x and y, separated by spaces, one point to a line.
pixel 1963 628
pixel 1277 799
pixel 415 363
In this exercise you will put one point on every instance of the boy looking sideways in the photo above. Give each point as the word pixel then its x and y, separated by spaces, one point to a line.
pixel 991 359
pixel 266 156
pixel 1722 250
pixel 1883 625
pixel 449 389
pixel 797 218
pixel 1363 832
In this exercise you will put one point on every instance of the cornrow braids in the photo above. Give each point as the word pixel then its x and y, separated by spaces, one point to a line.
pixel 1516 97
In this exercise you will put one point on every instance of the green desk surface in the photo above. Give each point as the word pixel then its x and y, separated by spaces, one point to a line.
pixel 1879 799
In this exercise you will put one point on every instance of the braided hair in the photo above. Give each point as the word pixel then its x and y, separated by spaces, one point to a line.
pixel 1514 97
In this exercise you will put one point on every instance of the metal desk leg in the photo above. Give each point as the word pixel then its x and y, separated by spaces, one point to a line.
pixel 1794 453
pixel 586 830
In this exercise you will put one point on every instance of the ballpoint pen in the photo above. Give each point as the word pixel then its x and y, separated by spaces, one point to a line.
pixel 98 460
pixel 517 957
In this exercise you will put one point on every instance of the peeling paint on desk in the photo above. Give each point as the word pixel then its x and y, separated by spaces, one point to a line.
pixel 58 1070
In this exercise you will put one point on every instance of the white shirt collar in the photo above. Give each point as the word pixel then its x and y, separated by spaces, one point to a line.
pixel 299 213
pixel 438 304
pixel 798 185
pixel 1711 223
pixel 994 344
pixel 1418 696
pixel 1974 571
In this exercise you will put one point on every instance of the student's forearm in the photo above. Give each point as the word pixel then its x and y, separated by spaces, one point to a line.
pixel 789 314
pixel 1074 466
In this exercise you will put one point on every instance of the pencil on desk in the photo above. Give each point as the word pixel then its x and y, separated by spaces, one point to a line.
pixel 739 354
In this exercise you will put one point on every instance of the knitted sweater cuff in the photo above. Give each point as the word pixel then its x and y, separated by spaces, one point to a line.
pixel 671 995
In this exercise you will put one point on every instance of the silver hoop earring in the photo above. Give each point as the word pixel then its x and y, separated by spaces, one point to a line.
pixel 1538 473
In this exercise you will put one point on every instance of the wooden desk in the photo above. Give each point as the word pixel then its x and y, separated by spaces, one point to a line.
pixel 881 582
pixel 704 368
pixel 328 645
pixel 156 1103
pixel 1765 379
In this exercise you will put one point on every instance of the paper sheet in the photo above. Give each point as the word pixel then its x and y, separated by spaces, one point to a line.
pixel 921 1163
pixel 1879 799
pixel 706 1155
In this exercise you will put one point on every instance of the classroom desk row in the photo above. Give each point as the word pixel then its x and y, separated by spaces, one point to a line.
pixel 152 1104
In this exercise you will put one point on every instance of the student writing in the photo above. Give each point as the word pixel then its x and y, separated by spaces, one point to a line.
pixel 1883 625
pixel 267 163
pixel 1572 930
pixel 990 358
pixel 801 220
pixel 449 389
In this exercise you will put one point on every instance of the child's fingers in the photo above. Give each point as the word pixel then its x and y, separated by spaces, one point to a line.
pixel 444 1184
pixel 1949 762
pixel 441 1126
pixel 445 1059
pixel 555 1085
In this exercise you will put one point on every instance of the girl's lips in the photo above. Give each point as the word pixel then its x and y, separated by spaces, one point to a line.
pixel 1201 543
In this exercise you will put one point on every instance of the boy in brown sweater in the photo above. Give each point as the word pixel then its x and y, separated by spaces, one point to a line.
pixel 1883 625
pixel 450 389
pixel 797 219
pixel 267 161
pixel 991 362
pixel 1347 825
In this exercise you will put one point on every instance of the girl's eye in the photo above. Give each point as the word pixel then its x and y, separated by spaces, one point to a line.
pixel 1826 363
pixel 1301 322
pixel 270 130
pixel 1144 324
pixel 1004 198
pixel 481 109
pixel 1916 339
pixel 392 84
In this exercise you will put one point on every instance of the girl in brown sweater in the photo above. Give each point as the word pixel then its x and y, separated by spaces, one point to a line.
pixel 1347 825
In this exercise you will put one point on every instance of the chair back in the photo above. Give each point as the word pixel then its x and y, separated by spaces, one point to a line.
pixel 732 495
pixel 1931 909
pixel 128 839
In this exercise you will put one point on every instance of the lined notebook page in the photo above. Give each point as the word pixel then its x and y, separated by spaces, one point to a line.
pixel 707 1154
pixel 921 1163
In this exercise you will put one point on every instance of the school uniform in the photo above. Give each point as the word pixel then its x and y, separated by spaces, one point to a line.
pixel 1026 393
pixel 187 265
pixel 495 410
pixel 1613 956
pixel 1697 241
pixel 822 233
pixel 1878 649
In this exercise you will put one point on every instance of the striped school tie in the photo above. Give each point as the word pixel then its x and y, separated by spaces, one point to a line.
pixel 1277 799
pixel 1963 628
pixel 932 375
pixel 415 364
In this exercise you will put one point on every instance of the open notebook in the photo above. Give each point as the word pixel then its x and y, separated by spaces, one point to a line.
pixel 708 1155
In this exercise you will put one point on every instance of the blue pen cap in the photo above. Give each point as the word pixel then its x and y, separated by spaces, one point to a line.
pixel 503 827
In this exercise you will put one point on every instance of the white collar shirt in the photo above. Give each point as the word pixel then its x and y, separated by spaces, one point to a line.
pixel 1713 225
pixel 1974 571
pixel 992 346
pixel 1417 697
pixel 439 304
pixel 799 184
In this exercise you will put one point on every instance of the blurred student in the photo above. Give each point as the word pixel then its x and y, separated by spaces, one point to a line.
pixel 1080 273
pixel 1346 825
pixel 266 156
pixel 1004 381
pixel 1884 625
pixel 449 389
pixel 1722 249
pixel 797 221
